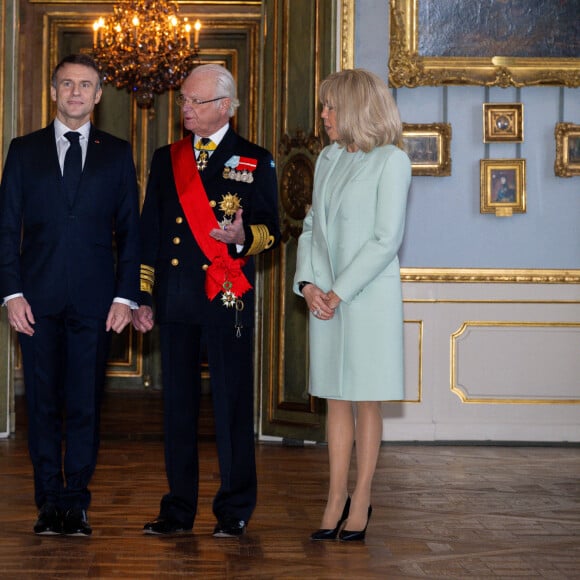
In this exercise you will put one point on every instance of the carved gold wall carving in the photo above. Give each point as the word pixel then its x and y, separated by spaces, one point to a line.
pixel 297 158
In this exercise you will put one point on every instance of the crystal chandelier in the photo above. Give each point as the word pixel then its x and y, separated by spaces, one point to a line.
pixel 145 47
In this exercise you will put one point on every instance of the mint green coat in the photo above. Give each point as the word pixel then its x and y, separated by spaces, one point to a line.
pixel 349 244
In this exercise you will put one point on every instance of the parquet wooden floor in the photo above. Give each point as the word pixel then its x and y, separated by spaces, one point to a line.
pixel 439 512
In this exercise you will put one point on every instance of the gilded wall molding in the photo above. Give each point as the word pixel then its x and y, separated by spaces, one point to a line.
pixel 2 66
pixel 347 34
pixel 419 356
pixel 490 275
pixel 469 395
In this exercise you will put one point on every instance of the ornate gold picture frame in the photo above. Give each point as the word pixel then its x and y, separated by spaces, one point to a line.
pixel 429 148
pixel 503 122
pixel 567 150
pixel 460 43
pixel 503 186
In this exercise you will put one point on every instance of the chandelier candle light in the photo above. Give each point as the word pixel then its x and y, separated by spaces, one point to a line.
pixel 145 47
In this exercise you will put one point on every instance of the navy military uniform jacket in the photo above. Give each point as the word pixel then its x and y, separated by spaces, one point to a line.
pixel 173 265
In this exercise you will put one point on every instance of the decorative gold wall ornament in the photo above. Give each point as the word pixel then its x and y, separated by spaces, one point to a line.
pixel 409 68
pixel 145 47
pixel 298 156
pixel 503 122
pixel 429 148
pixel 503 186
pixel 567 161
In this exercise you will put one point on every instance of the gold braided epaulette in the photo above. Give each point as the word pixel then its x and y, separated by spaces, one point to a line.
pixel 263 240
pixel 147 278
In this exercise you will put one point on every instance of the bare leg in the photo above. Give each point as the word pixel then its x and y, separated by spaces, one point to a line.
pixel 340 432
pixel 369 430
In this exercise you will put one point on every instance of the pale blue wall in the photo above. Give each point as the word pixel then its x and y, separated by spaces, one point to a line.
pixel 444 225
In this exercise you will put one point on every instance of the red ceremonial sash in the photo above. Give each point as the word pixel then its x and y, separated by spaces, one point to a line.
pixel 223 270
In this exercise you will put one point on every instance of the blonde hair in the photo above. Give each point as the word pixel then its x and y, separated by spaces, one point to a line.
pixel 366 113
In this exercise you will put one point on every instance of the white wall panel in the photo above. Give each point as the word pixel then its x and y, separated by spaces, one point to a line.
pixel 523 362
pixel 499 362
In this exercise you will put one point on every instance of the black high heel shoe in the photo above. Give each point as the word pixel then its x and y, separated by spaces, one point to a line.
pixel 330 534
pixel 357 536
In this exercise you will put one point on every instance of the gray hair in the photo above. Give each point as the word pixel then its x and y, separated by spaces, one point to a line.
pixel 224 81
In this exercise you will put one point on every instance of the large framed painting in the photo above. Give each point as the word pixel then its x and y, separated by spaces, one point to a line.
pixel 492 43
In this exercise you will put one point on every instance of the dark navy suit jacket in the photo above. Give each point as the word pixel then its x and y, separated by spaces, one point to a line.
pixel 61 254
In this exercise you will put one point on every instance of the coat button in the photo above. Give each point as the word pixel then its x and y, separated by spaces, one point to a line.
pixel 175 262
pixel 205 267
pixel 212 203
pixel 178 220
pixel 176 241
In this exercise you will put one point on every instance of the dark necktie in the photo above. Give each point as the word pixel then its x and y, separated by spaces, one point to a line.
pixel 73 165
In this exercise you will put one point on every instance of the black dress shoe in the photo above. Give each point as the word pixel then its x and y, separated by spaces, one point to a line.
pixel 330 534
pixel 75 523
pixel 356 536
pixel 165 527
pixel 49 522
pixel 229 528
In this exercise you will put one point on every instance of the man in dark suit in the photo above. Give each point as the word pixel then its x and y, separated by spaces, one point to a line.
pixel 69 274
pixel 211 205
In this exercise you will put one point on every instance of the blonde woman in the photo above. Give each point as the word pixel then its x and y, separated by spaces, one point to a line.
pixel 348 272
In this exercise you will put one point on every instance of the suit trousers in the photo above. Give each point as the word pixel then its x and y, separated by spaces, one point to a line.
pixel 231 379
pixel 64 370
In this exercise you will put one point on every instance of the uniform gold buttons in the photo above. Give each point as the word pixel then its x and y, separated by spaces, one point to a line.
pixel 175 262
pixel 205 267
pixel 178 220
pixel 176 241
pixel 212 203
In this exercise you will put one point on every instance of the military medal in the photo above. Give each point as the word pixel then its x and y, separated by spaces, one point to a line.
pixel 230 300
pixel 229 205
pixel 202 160
pixel 240 169
pixel 228 297
pixel 204 146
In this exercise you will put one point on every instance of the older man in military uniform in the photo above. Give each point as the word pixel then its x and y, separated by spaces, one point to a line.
pixel 211 205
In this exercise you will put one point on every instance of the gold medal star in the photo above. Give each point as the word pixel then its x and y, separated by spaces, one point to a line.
pixel 230 204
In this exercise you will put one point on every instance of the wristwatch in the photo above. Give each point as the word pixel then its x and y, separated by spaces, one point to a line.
pixel 301 285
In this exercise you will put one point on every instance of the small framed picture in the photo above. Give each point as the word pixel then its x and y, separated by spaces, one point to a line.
pixel 567 150
pixel 429 148
pixel 503 186
pixel 503 122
